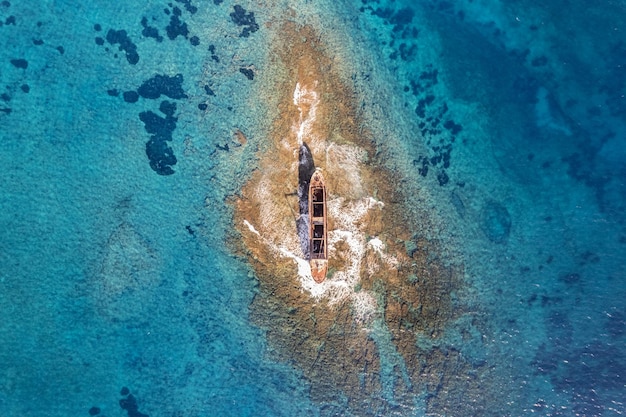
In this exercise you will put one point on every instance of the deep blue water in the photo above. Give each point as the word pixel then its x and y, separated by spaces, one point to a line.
pixel 117 156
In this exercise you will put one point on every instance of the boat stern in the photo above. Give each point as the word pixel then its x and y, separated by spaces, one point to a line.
pixel 319 268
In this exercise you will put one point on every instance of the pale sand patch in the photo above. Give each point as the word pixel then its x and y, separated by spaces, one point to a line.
pixel 343 164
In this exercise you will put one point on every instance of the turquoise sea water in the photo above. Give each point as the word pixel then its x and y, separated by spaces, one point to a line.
pixel 117 154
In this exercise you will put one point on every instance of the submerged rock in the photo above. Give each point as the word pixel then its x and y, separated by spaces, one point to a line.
pixel 458 204
pixel 495 222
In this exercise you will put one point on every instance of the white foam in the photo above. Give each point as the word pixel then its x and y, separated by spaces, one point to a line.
pixel 364 306
pixel 377 244
pixel 251 228
pixel 307 101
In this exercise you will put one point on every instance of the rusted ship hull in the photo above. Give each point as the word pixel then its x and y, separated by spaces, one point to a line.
pixel 318 229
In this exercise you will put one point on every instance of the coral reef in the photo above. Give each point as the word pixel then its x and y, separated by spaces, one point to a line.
pixel 354 336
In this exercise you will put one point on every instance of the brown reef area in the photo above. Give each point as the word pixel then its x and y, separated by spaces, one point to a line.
pixel 382 273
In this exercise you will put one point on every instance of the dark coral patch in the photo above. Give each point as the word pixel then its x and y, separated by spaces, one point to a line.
pixel 247 72
pixel 130 96
pixel 121 38
pixel 171 87
pixel 157 125
pixel 113 92
pixel 61 49
pixel 159 153
pixel 442 178
pixel 188 6
pixel 20 63
pixel 242 18
pixel 168 109
pixel 401 18
pixel 425 81
pixel 454 128
pixel 130 405
pixel 420 110
pixel 422 163
pixel 25 88
pixel 385 13
pixel 214 57
pixel 38 42
pixel 407 52
pixel 161 157
pixel 176 27
pixel 149 31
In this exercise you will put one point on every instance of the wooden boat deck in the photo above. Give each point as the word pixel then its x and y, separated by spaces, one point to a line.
pixel 318 227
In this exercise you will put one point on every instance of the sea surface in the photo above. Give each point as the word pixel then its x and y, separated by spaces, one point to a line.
pixel 129 128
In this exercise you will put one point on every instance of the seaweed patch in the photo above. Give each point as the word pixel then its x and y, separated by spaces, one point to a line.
pixel 247 72
pixel 246 19
pixel 176 27
pixel 159 153
pixel 129 404
pixel 150 31
pixel 19 63
pixel 170 86
pixel 121 38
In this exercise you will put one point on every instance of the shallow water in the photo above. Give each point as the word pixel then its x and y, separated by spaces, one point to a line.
pixel 496 131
